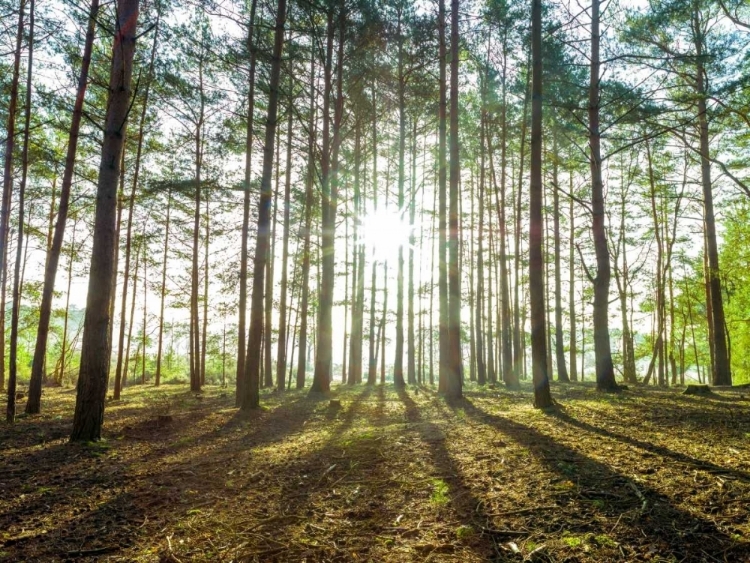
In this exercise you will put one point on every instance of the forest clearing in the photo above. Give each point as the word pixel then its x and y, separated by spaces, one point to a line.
pixel 383 475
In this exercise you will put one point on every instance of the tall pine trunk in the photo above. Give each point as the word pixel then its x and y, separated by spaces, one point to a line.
pixel 454 383
pixel 17 277
pixel 410 343
pixel 562 370
pixel 721 369
pixel 443 348
pixel 571 289
pixel 398 363
pixel 95 350
pixel 605 373
pixel 163 291
pixel 242 313
pixel 309 185
pixel 324 338
pixel 540 377
pixel 281 347
pixel 251 392
pixel 10 142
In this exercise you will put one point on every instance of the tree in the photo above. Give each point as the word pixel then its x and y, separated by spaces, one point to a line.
pixel 95 351
pixel 251 398
pixel 454 376
pixel 12 376
pixel 542 397
pixel 605 373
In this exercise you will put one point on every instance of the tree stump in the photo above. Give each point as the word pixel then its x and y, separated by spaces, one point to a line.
pixel 697 390
pixel 163 419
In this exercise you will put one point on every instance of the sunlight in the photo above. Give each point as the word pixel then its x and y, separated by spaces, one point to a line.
pixel 384 230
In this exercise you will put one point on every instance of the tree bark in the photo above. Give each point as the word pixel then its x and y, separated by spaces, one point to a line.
pixel 95 350
pixel 281 347
pixel 163 291
pixel 398 363
pixel 478 315
pixel 571 289
pixel 562 370
pixel 542 397
pixel 17 279
pixel 443 347
pixel 410 343
pixel 324 338
pixel 242 313
pixel 722 374
pixel 454 383
pixel 10 143
pixel 372 357
pixel 251 394
pixel 605 373
pixel 309 185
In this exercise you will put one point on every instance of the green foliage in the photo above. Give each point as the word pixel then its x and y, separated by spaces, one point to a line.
pixel 440 492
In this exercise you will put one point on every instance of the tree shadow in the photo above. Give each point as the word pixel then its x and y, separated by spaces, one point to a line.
pixel 646 518
pixel 679 457
pixel 467 506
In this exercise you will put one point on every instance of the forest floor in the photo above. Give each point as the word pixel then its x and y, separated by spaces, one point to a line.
pixel 645 475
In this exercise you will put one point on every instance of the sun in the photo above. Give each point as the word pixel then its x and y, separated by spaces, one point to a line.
pixel 384 230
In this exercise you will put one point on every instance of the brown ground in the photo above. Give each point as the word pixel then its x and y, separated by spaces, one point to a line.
pixel 647 475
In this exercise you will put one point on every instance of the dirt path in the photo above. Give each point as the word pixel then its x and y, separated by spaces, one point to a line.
pixel 644 476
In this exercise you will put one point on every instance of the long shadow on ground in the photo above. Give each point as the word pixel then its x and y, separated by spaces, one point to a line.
pixel 645 518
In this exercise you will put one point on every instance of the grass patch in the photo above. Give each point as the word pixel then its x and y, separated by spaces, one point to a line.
pixel 440 491
pixel 573 541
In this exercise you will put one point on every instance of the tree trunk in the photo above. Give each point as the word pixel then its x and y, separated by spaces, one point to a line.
pixel 324 339
pixel 131 320
pixel 519 332
pixel 196 376
pixel 17 279
pixel 309 185
pixel 251 395
pixel 10 141
pixel 722 374
pixel 267 380
pixel 571 289
pixel 478 330
pixel 145 318
pixel 411 370
pixel 605 373
pixel 562 370
pixel 281 348
pixel 398 363
pixel 509 373
pixel 372 357
pixel 453 388
pixel 64 343
pixel 659 300
pixel 355 344
pixel 242 313
pixel 95 351
pixel 163 291
pixel 443 348
pixel 206 270
pixel 542 397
